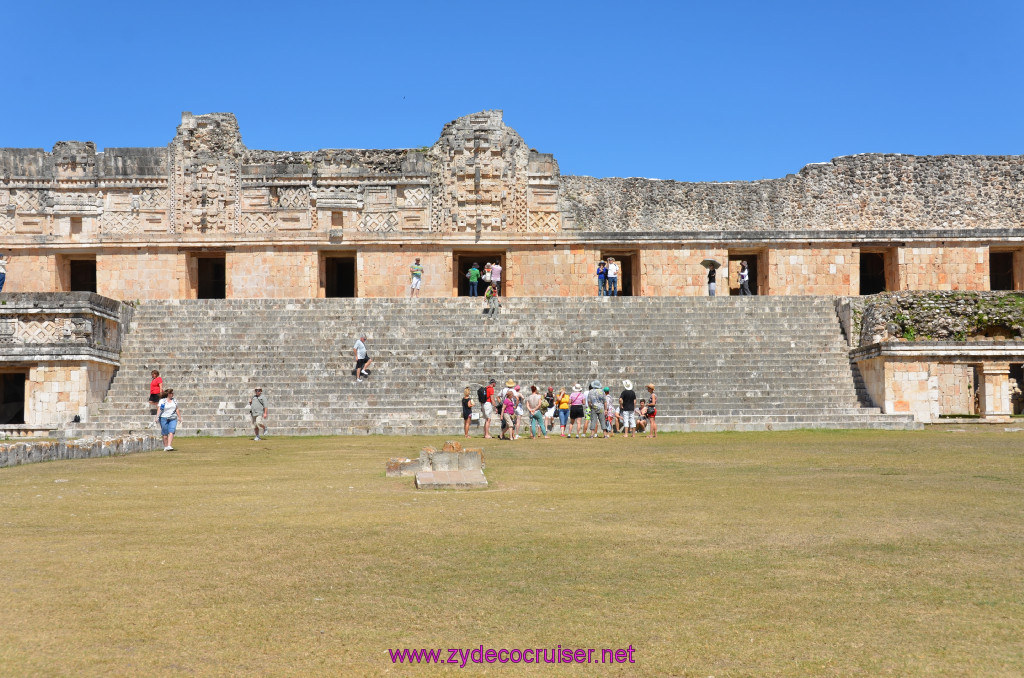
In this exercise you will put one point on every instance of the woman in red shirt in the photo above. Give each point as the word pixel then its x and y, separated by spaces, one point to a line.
pixel 155 387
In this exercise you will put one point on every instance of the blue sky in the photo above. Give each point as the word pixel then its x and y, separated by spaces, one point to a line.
pixel 709 91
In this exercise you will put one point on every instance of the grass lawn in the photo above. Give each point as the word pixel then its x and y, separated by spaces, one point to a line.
pixel 731 554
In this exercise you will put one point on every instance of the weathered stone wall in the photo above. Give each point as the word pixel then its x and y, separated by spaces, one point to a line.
pixel 263 274
pixel 942 268
pixel 937 315
pixel 383 273
pixel 146 214
pixel 15 454
pixel 851 193
pixel 795 269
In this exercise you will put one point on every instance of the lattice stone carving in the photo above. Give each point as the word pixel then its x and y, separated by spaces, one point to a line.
pixel 543 221
pixel 28 200
pixel 415 196
pixel 258 222
pixel 47 331
pixel 6 224
pixel 379 222
pixel 120 222
pixel 293 198
pixel 153 198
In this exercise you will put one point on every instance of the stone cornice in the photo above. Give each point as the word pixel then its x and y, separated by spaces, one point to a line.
pixel 944 351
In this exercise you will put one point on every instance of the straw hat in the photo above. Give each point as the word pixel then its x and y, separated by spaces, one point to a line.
pixel 650 387
pixel 576 388
pixel 510 383
pixel 627 384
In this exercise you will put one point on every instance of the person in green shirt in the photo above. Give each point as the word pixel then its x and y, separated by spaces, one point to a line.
pixel 416 270
pixel 474 278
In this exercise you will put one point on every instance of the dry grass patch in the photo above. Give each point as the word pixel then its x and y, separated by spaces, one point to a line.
pixel 804 553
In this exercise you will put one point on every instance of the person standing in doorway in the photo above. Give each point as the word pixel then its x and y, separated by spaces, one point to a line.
pixel 613 277
pixel 170 415
pixel 363 361
pixel 258 413
pixel 416 271
pixel 744 280
pixel 496 277
pixel 155 388
pixel 473 275
pixel 4 259
pixel 711 281
pixel 602 279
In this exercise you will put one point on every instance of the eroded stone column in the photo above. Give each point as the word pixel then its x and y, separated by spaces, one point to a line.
pixel 994 391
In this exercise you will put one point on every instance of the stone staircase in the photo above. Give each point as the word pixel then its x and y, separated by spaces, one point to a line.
pixel 725 363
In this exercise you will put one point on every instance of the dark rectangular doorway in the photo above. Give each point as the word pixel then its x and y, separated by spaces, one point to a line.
pixel 82 275
pixel 463 261
pixel 628 267
pixel 339 277
pixel 12 397
pixel 752 259
pixel 1000 270
pixel 872 272
pixel 212 281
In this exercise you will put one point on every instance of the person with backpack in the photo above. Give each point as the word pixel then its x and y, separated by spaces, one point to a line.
pixel 535 405
pixel 473 275
pixel 491 295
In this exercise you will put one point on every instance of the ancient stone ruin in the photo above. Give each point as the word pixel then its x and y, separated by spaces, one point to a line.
pixel 450 469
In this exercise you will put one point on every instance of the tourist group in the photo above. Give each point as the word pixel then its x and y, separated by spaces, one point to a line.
pixel 580 412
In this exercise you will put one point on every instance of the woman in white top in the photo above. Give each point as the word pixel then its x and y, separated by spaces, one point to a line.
pixel 3 271
pixel 170 415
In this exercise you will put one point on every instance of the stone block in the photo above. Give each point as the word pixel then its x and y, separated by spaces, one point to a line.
pixel 450 480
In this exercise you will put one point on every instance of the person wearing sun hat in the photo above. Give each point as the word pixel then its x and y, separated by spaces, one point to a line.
pixel 595 398
pixel 576 405
pixel 509 387
pixel 627 406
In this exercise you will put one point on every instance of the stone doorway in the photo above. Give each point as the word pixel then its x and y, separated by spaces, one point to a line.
pixel 12 398
pixel 1000 271
pixel 872 272
pixel 211 279
pixel 79 274
pixel 339 276
pixel 629 268
pixel 753 259
pixel 461 263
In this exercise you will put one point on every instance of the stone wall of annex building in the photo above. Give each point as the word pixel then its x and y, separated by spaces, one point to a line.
pixel 256 273
pixel 795 269
pixel 937 267
pixel 851 193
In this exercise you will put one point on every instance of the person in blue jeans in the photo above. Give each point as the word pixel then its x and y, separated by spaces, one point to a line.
pixel 3 271
pixel 602 279
pixel 613 277
pixel 474 279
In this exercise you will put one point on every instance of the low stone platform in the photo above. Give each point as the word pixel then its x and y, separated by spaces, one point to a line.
pixel 451 468
pixel 31 452
pixel 447 480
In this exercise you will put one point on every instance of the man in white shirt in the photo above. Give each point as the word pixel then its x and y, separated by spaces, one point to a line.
pixel 613 277
pixel 362 360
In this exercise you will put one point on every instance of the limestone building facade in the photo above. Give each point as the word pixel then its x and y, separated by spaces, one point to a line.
pixel 206 217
